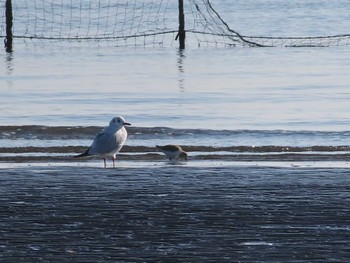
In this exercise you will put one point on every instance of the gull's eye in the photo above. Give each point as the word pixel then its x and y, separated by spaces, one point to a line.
pixel 118 120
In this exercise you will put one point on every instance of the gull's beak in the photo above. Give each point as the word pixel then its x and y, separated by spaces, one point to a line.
pixel 126 123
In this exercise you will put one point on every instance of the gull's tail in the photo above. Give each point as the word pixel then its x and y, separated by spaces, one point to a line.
pixel 86 153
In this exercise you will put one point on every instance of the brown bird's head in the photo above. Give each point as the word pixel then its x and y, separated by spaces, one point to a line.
pixel 183 155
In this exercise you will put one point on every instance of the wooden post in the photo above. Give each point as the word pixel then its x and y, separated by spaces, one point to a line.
pixel 181 34
pixel 9 24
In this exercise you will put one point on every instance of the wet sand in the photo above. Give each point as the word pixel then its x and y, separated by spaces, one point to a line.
pixel 65 154
pixel 174 213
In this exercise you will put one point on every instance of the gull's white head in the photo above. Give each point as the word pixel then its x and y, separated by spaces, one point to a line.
pixel 118 122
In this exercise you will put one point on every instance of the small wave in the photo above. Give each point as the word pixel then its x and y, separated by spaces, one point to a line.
pixel 195 149
pixel 47 132
pixel 44 132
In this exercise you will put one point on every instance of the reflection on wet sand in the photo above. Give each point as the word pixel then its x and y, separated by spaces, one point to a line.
pixel 172 213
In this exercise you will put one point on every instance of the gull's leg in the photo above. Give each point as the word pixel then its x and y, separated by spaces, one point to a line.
pixel 104 161
pixel 113 158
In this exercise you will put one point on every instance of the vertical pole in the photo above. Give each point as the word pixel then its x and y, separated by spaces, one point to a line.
pixel 181 34
pixel 9 24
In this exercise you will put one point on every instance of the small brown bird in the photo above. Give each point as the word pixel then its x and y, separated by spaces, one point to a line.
pixel 173 151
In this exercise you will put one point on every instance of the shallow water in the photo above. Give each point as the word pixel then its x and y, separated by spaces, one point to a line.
pixel 57 145
pixel 214 98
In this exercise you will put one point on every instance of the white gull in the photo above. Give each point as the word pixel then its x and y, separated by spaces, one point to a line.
pixel 109 141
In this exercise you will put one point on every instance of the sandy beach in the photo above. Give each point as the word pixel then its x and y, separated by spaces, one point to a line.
pixel 174 213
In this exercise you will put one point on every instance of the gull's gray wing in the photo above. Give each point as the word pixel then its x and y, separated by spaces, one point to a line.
pixel 104 143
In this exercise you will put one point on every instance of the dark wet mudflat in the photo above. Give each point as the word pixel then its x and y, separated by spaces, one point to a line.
pixel 174 213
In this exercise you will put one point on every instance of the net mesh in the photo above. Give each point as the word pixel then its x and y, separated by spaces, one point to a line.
pixel 138 22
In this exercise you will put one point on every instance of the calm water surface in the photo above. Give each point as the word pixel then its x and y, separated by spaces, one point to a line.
pixel 277 88
pixel 45 83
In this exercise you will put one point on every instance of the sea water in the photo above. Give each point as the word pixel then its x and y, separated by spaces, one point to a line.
pixel 212 96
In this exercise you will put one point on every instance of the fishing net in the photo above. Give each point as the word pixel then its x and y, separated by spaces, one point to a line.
pixel 138 23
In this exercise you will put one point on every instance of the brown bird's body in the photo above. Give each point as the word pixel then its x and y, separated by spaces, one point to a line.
pixel 173 151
